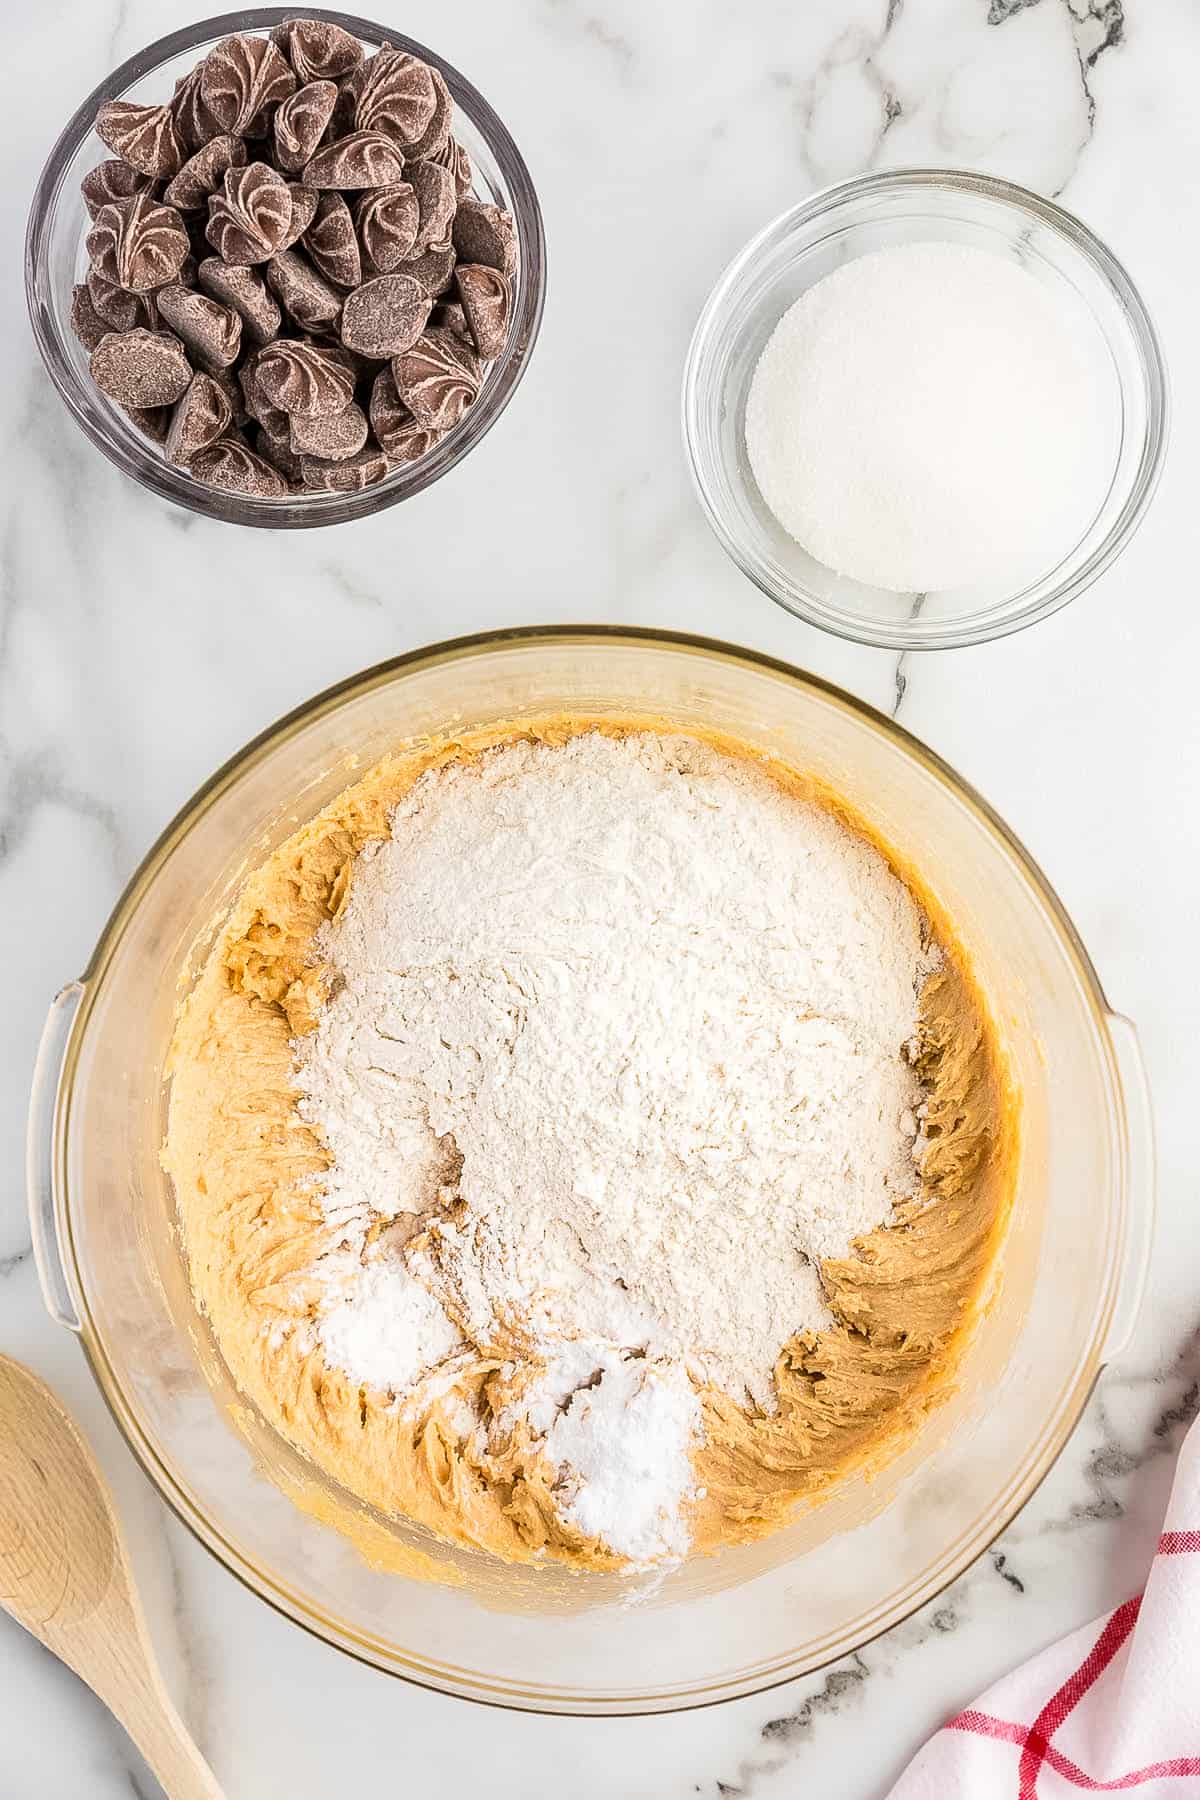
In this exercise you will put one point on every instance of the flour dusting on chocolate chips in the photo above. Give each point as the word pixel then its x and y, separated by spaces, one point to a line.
pixel 292 286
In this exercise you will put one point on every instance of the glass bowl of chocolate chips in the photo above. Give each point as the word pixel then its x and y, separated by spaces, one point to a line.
pixel 285 269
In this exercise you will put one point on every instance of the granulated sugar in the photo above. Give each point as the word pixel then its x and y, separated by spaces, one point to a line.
pixel 928 417
pixel 621 1027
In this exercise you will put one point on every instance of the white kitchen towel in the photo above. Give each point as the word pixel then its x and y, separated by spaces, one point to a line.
pixel 1114 1708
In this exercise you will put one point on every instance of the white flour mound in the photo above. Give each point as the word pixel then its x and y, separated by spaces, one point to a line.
pixel 644 1015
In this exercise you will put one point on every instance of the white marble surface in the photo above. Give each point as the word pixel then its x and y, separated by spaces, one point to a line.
pixel 139 646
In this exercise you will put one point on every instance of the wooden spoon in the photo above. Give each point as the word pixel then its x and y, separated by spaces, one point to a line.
pixel 65 1576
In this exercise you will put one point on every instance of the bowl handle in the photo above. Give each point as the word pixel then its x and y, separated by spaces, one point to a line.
pixel 1139 1186
pixel 39 1157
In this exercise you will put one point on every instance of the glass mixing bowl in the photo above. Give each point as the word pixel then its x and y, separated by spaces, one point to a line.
pixel 878 212
pixel 56 258
pixel 542 1638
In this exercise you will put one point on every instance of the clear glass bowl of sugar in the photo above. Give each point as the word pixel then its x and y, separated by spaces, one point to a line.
pixel 1123 425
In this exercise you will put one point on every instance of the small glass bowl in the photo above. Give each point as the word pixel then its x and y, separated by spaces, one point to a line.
pixel 56 258
pixel 877 212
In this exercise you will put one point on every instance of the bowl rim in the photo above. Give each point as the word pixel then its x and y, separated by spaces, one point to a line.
pixel 169 482
pixel 944 1569
pixel 905 634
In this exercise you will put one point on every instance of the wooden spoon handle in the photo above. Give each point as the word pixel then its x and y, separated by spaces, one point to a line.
pixel 132 1687
pixel 145 1710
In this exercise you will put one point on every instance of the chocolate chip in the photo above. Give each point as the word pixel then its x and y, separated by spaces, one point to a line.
pixel 203 173
pixel 277 450
pixel 452 156
pixel 437 199
pixel 231 387
pixel 142 136
pixel 248 218
pixel 153 422
pixel 308 297
pixel 450 315
pixel 256 405
pixel 486 302
pixel 199 418
pixel 393 424
pixel 119 309
pixel 396 97
pixel 302 379
pixel 212 333
pixel 384 316
pixel 304 211
pixel 232 466
pixel 356 362
pixel 437 132
pixel 433 269
pixel 334 438
pixel 246 292
pixel 194 122
pixel 317 49
pixel 437 379
pixel 341 123
pixel 243 76
pixel 387 221
pixel 348 476
pixel 88 325
pixel 365 159
pixel 358 368
pixel 110 181
pixel 332 243
pixel 411 442
pixel 353 81
pixel 485 234
pixel 140 368
pixel 137 243
pixel 300 123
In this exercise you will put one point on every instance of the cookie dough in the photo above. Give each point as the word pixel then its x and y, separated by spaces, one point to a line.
pixel 247 1172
